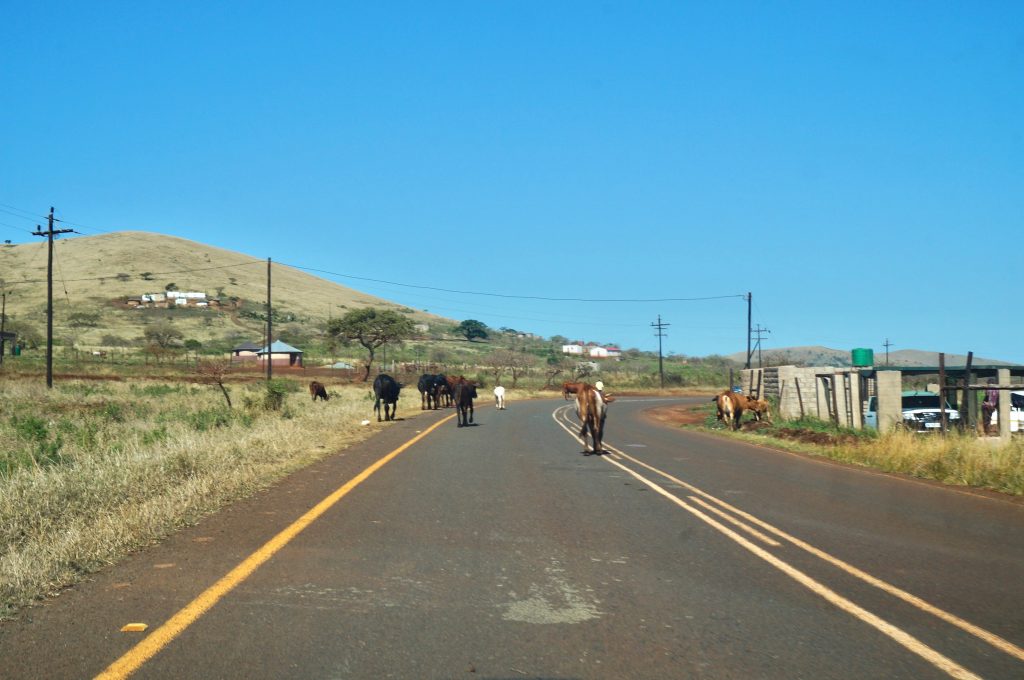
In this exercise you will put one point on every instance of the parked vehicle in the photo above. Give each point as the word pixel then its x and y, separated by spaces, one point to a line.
pixel 1016 412
pixel 921 412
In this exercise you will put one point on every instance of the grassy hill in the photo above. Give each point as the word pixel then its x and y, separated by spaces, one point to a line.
pixel 94 275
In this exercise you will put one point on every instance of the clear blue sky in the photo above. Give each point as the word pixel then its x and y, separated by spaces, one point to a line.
pixel 859 167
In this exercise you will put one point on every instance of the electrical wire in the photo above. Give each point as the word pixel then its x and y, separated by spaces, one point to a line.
pixel 513 297
pixel 4 224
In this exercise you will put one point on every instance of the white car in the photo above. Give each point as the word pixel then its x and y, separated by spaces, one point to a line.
pixel 921 412
pixel 1016 413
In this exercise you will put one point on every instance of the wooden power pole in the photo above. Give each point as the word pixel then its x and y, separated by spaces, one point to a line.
pixel 270 328
pixel 49 233
pixel 661 366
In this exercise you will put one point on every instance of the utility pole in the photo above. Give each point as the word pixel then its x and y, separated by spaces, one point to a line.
pixel 750 299
pixel 661 366
pixel 3 324
pixel 49 294
pixel 759 331
pixel 270 328
pixel 887 345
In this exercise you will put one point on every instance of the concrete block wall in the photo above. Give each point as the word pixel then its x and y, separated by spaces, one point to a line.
pixel 889 389
pixel 780 383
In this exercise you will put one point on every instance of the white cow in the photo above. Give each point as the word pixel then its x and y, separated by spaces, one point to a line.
pixel 499 397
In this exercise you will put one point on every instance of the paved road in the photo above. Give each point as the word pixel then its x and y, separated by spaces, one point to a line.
pixel 500 551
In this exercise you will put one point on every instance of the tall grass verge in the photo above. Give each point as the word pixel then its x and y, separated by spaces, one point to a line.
pixel 88 475
pixel 957 459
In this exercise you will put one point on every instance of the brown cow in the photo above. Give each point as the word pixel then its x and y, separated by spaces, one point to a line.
pixel 760 409
pixel 730 406
pixel 570 388
pixel 592 410
pixel 317 389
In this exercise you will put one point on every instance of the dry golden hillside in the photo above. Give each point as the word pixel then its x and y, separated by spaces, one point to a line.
pixel 94 275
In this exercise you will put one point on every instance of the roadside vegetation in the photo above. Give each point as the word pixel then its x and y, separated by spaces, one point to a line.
pixel 961 459
pixel 90 471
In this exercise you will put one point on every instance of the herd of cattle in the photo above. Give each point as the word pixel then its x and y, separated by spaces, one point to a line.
pixel 441 391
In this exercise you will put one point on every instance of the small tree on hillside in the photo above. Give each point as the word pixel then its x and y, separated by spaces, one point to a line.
pixel 471 328
pixel 371 328
pixel 511 361
pixel 212 372
pixel 162 334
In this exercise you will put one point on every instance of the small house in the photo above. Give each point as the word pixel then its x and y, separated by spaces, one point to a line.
pixel 246 351
pixel 281 354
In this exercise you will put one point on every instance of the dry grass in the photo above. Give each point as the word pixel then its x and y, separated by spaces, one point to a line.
pixel 957 459
pixel 90 472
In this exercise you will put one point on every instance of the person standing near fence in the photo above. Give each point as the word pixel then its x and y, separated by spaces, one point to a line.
pixel 989 405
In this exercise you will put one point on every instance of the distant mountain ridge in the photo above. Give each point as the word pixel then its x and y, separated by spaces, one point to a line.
pixel 826 356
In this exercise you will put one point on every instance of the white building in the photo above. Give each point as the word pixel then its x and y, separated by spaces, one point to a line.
pixel 572 349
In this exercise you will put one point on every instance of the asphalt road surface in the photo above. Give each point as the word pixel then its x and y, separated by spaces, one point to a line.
pixel 502 551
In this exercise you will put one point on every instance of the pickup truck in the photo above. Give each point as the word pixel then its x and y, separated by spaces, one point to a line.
pixel 1016 412
pixel 921 412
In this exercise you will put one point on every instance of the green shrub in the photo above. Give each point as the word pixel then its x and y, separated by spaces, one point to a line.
pixel 209 419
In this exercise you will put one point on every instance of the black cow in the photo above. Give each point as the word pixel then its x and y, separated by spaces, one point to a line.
pixel 317 390
pixel 385 389
pixel 442 392
pixel 463 396
pixel 426 387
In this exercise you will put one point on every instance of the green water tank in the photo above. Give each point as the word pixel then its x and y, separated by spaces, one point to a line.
pixel 863 357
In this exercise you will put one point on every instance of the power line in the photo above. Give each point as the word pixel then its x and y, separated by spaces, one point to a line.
pixel 27 231
pixel 443 290
pixel 507 296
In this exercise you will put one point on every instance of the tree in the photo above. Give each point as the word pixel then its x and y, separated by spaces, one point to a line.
pixel 29 336
pixel 471 328
pixel 163 334
pixel 504 360
pixel 371 328
pixel 213 371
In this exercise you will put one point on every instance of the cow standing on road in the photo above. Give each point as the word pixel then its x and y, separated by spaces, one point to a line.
pixel 591 410
pixel 570 388
pixel 427 386
pixel 463 396
pixel 499 398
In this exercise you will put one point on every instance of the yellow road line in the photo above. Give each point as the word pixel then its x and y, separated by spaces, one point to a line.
pixel 732 520
pixel 996 641
pixel 895 633
pixel 133 659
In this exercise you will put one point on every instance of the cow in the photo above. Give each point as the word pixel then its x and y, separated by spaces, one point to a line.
pixel 442 392
pixel 427 386
pixel 570 388
pixel 730 406
pixel 760 408
pixel 463 396
pixel 591 410
pixel 317 389
pixel 499 398
pixel 385 389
